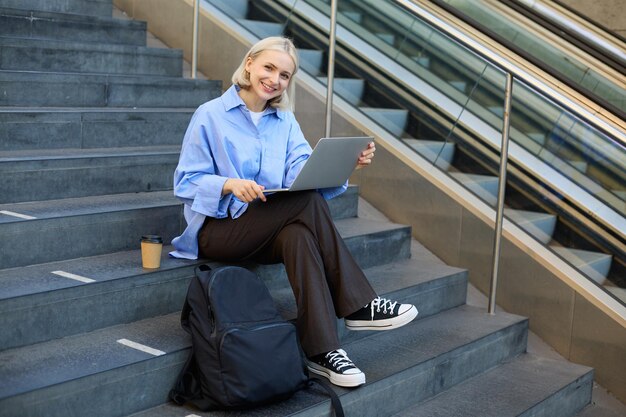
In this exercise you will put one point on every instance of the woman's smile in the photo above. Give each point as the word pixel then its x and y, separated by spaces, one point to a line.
pixel 268 88
pixel 270 75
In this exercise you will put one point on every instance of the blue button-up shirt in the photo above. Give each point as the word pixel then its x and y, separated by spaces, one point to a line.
pixel 222 142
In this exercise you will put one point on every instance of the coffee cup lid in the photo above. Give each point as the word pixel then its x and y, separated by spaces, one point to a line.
pixel 151 239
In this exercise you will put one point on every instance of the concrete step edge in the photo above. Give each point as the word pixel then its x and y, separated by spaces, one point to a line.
pixel 67 154
pixel 77 18
pixel 551 388
pixel 79 206
pixel 73 77
pixel 93 110
pixel 98 8
pixel 93 205
pixel 110 360
pixel 58 288
pixel 49 44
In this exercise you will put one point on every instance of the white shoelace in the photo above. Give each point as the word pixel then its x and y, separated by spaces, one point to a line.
pixel 339 359
pixel 383 303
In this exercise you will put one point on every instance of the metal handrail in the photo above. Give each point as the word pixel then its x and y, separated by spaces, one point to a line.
pixel 194 41
pixel 331 67
pixel 504 157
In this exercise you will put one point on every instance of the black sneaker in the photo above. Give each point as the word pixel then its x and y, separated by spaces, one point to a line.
pixel 381 314
pixel 337 367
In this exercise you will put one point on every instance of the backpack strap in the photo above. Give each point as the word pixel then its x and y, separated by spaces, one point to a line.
pixel 187 387
pixel 186 311
pixel 334 398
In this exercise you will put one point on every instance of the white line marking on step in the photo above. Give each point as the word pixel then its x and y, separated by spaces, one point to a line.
pixel 141 347
pixel 192 415
pixel 14 214
pixel 73 276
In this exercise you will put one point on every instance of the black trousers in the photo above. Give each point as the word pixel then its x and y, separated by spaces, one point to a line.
pixel 297 230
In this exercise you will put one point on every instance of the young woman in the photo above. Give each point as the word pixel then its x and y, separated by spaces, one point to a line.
pixel 248 140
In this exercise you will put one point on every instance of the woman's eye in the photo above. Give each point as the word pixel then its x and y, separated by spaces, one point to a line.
pixel 284 76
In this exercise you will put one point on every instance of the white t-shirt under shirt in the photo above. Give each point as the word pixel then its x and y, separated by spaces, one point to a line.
pixel 256 116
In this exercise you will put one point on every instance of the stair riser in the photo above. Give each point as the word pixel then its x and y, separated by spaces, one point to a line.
pixel 41 25
pixel 87 178
pixel 91 91
pixel 101 393
pixel 311 60
pixel 143 61
pixel 54 314
pixel 565 403
pixel 345 205
pixel 394 121
pixel 49 130
pixel 236 8
pixel 60 313
pixel 128 226
pixel 85 7
pixel 121 391
pixel 158 292
pixel 39 241
pixel 50 316
pixel 416 384
pixel 262 29
pixel 381 248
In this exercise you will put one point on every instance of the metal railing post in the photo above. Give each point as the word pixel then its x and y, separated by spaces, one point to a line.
pixel 194 42
pixel 504 155
pixel 331 66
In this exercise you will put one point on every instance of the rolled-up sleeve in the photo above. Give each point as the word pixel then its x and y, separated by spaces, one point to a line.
pixel 195 179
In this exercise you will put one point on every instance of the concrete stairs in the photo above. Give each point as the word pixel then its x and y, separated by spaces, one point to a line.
pixel 83 182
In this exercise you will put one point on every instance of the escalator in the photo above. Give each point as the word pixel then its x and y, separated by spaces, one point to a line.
pixel 576 28
pixel 566 185
pixel 596 74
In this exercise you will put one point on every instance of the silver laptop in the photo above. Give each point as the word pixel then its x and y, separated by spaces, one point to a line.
pixel 330 164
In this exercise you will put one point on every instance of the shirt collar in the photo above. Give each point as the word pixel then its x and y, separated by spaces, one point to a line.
pixel 231 99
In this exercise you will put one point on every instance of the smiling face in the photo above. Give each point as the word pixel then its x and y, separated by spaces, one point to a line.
pixel 270 74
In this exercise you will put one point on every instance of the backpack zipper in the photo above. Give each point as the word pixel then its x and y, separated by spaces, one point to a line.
pixel 256 328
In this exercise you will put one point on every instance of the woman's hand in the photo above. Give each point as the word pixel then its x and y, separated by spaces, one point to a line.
pixel 366 156
pixel 245 190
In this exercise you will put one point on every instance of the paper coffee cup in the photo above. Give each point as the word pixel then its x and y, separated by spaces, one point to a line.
pixel 151 247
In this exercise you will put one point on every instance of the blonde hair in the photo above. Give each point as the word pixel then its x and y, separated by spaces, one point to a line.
pixel 241 77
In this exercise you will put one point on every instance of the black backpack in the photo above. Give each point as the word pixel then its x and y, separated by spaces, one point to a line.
pixel 243 354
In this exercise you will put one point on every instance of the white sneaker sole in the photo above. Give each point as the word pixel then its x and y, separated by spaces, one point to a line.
pixel 348 381
pixel 386 324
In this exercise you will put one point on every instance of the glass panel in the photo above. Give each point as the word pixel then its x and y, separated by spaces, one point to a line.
pixel 525 36
pixel 449 109
pixel 255 17
pixel 428 55
pixel 573 148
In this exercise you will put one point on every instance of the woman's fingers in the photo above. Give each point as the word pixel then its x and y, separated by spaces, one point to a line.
pixel 366 156
pixel 251 191
pixel 245 190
